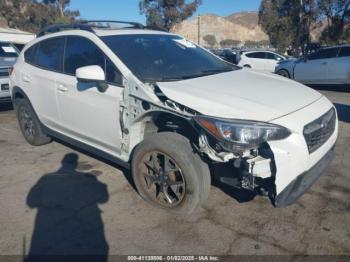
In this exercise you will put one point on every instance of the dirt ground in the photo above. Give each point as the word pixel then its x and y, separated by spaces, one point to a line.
pixel 104 215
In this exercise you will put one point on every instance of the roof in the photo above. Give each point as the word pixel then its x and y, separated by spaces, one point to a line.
pixel 107 32
pixel 103 28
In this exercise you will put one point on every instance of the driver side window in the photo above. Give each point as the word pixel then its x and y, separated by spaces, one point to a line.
pixel 82 52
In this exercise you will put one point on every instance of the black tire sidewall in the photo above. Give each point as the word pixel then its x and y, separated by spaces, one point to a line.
pixel 179 150
pixel 39 137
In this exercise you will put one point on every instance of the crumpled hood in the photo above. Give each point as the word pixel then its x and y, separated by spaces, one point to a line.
pixel 241 94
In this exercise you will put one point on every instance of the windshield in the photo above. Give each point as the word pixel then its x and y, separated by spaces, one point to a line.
pixel 157 58
pixel 8 50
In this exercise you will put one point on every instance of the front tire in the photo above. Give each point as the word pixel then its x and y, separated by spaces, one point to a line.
pixel 169 174
pixel 283 73
pixel 30 125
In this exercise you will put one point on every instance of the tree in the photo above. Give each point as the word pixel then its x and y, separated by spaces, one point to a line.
pixel 210 39
pixel 32 16
pixel 229 43
pixel 288 22
pixel 337 14
pixel 60 4
pixel 166 13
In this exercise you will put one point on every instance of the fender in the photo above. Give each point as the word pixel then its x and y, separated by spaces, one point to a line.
pixel 18 92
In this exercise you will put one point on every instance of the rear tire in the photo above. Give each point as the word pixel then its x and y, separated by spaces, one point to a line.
pixel 30 124
pixel 169 174
pixel 283 73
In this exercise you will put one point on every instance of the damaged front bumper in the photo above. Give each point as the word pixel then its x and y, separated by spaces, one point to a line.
pixel 304 181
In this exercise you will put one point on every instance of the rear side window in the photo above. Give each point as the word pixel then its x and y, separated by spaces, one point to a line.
pixel 49 54
pixel 82 52
pixel 345 51
pixel 259 55
pixel 29 54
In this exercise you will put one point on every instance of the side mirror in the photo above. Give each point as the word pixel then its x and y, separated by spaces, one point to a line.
pixel 92 74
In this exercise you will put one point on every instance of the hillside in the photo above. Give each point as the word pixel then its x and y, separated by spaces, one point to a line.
pixel 249 20
pixel 240 26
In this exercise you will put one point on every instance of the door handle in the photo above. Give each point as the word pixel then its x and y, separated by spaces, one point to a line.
pixel 325 63
pixel 62 88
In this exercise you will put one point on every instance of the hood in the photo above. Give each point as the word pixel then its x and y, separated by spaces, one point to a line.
pixel 241 94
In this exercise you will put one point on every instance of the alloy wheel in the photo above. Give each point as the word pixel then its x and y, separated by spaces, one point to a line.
pixel 163 180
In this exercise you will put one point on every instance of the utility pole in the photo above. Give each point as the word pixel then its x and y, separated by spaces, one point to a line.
pixel 199 29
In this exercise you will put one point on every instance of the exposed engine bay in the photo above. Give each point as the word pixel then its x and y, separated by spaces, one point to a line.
pixel 252 170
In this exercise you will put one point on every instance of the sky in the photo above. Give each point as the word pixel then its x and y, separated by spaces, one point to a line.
pixel 128 10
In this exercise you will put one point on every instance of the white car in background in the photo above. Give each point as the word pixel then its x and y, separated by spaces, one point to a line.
pixel 325 66
pixel 8 56
pixel 265 61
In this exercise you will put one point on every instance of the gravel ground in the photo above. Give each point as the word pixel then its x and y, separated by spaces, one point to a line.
pixel 103 214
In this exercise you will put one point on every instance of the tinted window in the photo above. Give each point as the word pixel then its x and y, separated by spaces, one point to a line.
pixel 324 54
pixel 113 75
pixel 259 55
pixel 272 56
pixel 8 50
pixel 49 54
pixel 164 57
pixel 29 54
pixel 82 52
pixel 345 51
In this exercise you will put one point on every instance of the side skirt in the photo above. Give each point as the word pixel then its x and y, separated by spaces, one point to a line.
pixel 86 149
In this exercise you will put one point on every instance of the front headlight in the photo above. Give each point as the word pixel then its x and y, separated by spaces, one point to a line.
pixel 241 135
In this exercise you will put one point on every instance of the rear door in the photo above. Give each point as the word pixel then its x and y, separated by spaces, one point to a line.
pixel 43 65
pixel 257 60
pixel 315 70
pixel 339 69
pixel 86 114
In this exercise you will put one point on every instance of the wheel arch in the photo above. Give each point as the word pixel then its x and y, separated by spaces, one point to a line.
pixel 18 93
pixel 158 121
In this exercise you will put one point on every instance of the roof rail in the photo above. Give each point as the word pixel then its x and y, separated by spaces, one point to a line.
pixel 63 27
pixel 108 24
pixel 90 25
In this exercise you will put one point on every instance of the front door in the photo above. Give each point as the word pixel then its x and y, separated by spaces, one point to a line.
pixel 85 113
pixel 315 70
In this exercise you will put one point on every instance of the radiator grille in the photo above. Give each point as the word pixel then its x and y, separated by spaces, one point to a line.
pixel 319 131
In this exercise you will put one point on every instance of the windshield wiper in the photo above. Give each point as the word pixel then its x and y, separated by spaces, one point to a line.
pixel 203 73
pixel 213 71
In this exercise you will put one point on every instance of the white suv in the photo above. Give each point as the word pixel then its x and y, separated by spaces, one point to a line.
pixel 173 112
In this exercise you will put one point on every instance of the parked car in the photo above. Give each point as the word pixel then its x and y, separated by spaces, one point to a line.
pixel 265 61
pixel 227 55
pixel 174 113
pixel 8 56
pixel 325 66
